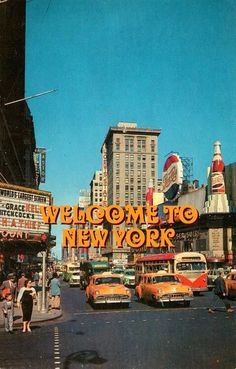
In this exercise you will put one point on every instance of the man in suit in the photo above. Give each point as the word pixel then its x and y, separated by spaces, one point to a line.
pixel 220 294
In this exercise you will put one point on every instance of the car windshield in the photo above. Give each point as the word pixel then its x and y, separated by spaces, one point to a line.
pixel 130 272
pixel 191 266
pixel 108 280
pixel 165 278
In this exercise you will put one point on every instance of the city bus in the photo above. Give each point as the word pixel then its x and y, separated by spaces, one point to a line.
pixel 91 267
pixel 72 273
pixel 190 267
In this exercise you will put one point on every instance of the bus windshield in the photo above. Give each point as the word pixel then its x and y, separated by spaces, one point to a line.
pixel 191 266
pixel 130 272
pixel 73 269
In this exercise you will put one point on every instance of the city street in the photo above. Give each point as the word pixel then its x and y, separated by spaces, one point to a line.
pixel 139 337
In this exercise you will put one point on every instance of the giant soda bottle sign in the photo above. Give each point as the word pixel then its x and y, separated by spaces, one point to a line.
pixel 172 178
pixel 217 170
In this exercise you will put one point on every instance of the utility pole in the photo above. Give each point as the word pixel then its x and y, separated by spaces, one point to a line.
pixel 43 306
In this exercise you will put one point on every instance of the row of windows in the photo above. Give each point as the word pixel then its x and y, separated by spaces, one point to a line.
pixel 129 144
pixel 131 157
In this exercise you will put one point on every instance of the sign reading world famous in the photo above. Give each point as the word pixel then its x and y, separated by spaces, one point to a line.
pixel 20 211
pixel 172 177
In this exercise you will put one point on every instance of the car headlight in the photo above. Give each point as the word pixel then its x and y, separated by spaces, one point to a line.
pixel 97 292
pixel 127 291
pixel 159 291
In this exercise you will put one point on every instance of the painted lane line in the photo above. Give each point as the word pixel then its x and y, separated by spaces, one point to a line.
pixel 57 355
pixel 92 312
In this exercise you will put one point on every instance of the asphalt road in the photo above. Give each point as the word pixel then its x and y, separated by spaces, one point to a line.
pixel 141 337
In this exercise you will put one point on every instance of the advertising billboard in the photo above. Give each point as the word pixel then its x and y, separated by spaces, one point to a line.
pixel 172 177
pixel 20 216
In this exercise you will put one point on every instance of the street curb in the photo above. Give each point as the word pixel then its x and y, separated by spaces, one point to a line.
pixel 36 320
pixel 48 319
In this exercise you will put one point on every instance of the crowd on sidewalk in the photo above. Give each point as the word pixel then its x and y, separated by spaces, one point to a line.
pixel 22 291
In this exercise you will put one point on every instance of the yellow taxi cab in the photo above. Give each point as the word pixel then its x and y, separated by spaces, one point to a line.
pixel 230 282
pixel 164 288
pixel 107 288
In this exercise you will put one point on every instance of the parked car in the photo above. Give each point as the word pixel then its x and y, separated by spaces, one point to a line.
pixel 212 275
pixel 107 288
pixel 230 282
pixel 163 288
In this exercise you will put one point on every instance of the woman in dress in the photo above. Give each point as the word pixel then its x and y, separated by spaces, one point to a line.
pixel 55 291
pixel 25 300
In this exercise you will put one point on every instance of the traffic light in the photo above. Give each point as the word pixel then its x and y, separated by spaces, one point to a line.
pixel 48 240
pixel 52 241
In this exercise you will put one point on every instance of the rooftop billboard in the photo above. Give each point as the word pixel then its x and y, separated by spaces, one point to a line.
pixel 172 177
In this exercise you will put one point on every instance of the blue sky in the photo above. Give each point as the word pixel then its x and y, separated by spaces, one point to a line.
pixel 168 64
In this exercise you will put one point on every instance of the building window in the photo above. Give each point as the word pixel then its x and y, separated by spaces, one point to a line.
pixel 129 144
pixel 152 145
pixel 117 143
pixel 141 144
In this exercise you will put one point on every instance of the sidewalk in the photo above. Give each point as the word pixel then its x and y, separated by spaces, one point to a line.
pixel 37 316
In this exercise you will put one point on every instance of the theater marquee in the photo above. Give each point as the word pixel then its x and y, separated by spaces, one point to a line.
pixel 20 216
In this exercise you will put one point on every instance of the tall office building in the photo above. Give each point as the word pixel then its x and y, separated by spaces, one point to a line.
pixel 96 188
pixel 96 199
pixel 129 161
